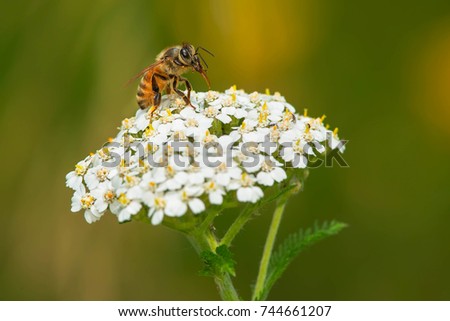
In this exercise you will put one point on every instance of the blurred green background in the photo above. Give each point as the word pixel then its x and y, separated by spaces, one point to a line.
pixel 379 70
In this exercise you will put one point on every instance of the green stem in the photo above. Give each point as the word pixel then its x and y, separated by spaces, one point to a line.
pixel 268 247
pixel 237 225
pixel 226 288
pixel 204 240
pixel 209 219
pixel 248 211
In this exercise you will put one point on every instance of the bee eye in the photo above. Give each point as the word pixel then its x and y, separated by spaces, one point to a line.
pixel 184 53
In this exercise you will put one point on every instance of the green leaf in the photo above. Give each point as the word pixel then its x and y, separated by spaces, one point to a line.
pixel 293 246
pixel 218 263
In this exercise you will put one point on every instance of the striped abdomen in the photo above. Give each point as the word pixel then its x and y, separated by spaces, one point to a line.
pixel 145 93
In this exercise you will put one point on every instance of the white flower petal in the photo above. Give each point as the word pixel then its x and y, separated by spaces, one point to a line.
pixel 90 217
pixel 300 161
pixel 76 205
pixel 264 179
pixel 196 205
pixel 223 179
pixel 244 194
pixel 224 118
pixel 240 113
pixel 215 198
pixel 278 174
pixel 124 215
pixel 157 217
pixel 134 207
pixel 101 205
pixel 175 208
pixel 127 182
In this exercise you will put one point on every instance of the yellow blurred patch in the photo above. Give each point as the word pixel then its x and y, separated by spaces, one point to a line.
pixel 263 38
pixel 431 78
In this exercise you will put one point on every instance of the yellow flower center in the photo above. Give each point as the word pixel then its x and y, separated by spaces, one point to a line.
pixel 254 97
pixel 308 137
pixel 277 96
pixel 109 196
pixel 222 167
pixel 210 112
pixel 264 107
pixel 160 202
pixel 192 122
pixel 180 135
pixel 253 147
pixel 87 201
pixel 152 186
pixel 274 133
pixel 80 169
pixel 145 167
pixel 262 118
pixel 211 95
pixel 170 171
pixel 149 131
pixel 123 199
pixel 246 180
pixel 127 123
pixel 208 137
pixel 131 180
pixel 179 102
pixel 297 147
pixel 266 166
pixel 229 100
pixel 152 147
pixel 167 118
pixel 244 128
pixel 101 174
pixel 103 153
pixel 210 186
pixel 335 132
pixel 287 118
pixel 241 157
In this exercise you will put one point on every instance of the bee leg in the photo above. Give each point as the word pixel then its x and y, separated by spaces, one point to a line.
pixel 152 110
pixel 189 88
pixel 180 93
pixel 156 93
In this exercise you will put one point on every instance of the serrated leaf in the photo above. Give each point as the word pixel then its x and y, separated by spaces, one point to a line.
pixel 218 263
pixel 227 259
pixel 293 246
pixel 209 263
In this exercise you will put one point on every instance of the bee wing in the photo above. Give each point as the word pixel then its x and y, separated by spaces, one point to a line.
pixel 153 65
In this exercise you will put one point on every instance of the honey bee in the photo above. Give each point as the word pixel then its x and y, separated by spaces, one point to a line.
pixel 165 74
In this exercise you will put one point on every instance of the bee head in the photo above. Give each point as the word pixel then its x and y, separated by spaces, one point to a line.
pixel 189 56
pixel 186 55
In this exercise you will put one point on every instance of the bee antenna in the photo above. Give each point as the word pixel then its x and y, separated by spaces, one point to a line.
pixel 196 51
pixel 203 60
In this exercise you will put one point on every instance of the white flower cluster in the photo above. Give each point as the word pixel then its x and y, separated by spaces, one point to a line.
pixel 185 158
